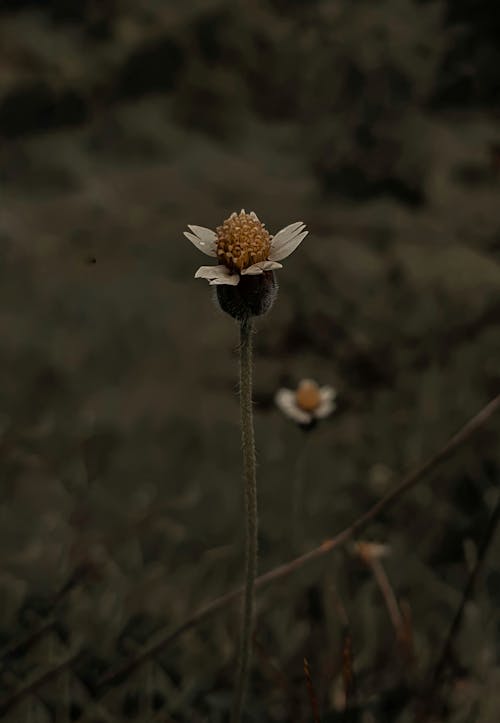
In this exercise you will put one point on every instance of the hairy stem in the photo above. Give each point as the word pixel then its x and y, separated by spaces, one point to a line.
pixel 249 478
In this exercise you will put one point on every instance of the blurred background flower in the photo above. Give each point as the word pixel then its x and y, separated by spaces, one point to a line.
pixel 308 403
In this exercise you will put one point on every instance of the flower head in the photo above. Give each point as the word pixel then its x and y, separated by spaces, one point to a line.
pixel 308 403
pixel 369 551
pixel 243 247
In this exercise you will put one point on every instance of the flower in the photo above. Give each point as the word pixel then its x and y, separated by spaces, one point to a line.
pixel 243 247
pixel 369 551
pixel 307 403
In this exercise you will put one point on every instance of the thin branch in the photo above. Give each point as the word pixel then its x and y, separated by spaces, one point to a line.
pixel 399 614
pixel 388 594
pixel 37 683
pixel 444 657
pixel 282 571
pixel 77 577
pixel 462 436
pixel 348 677
pixel 371 553
pixel 311 692
pixel 469 589
pixel 406 639
pixel 17 646
pixel 332 666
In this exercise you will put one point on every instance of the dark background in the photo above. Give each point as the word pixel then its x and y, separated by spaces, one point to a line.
pixel 377 123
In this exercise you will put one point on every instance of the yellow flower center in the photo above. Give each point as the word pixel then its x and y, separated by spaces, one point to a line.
pixel 242 241
pixel 308 395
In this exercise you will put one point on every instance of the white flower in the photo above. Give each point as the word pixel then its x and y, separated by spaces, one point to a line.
pixel 307 403
pixel 243 246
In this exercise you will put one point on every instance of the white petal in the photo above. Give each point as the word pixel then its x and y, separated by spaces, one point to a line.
pixel 232 280
pixel 209 272
pixel 287 240
pixel 284 236
pixel 209 250
pixel 262 266
pixel 203 238
pixel 325 408
pixel 252 270
pixel 254 215
pixel 295 227
pixel 284 397
pixel 286 401
pixel 327 393
pixel 217 275
pixel 205 234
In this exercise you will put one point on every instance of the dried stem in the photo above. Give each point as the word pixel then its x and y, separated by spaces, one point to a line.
pixel 37 683
pixel 15 647
pixel 250 483
pixel 348 677
pixel 390 600
pixel 399 613
pixel 121 671
pixel 311 692
pixel 444 657
pixel 456 441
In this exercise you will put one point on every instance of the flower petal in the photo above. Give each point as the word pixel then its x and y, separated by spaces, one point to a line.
pixel 287 240
pixel 217 275
pixel 285 400
pixel 201 245
pixel 203 238
pixel 325 408
pixel 252 270
pixel 262 266
pixel 232 280
pixel 291 228
pixel 327 393
pixel 205 234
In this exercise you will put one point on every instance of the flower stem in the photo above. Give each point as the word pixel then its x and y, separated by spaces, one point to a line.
pixel 299 479
pixel 249 477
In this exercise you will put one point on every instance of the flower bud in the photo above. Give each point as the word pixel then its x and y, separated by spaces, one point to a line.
pixel 253 296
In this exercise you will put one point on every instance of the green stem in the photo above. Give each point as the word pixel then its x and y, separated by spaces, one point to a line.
pixel 248 446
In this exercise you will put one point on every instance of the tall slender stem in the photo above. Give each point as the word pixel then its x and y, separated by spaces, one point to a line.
pixel 249 478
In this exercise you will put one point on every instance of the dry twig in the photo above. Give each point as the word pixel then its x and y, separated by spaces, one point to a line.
pixel 282 571
pixel 456 441
pixel 33 687
pixel 311 692
pixel 445 655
